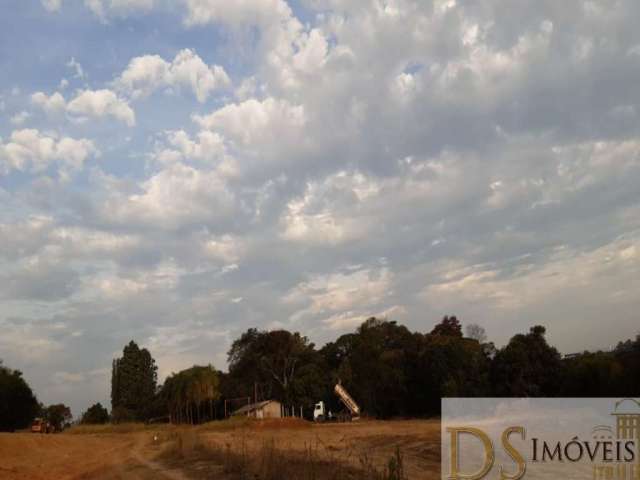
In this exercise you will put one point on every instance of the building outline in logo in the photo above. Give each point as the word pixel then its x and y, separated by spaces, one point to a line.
pixel 627 413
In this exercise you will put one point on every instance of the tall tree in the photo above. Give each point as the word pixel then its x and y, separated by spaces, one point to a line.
pixel 476 332
pixel 133 384
pixel 449 326
pixel 271 361
pixel 190 394
pixel 58 415
pixel 527 367
pixel 373 366
pixel 18 404
pixel 95 414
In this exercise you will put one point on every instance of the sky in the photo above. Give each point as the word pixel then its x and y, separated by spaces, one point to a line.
pixel 176 172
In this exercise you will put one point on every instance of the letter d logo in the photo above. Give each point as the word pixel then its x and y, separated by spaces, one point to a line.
pixel 489 456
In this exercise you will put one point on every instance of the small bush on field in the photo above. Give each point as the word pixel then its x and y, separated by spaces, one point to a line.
pixel 393 471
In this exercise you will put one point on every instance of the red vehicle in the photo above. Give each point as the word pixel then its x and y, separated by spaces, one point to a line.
pixel 41 426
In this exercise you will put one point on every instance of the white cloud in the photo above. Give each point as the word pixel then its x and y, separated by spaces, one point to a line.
pixel 148 73
pixel 458 140
pixel 101 103
pixel 19 118
pixel 206 147
pixel 52 5
pixel 87 103
pixel 290 52
pixel 241 12
pixel 52 104
pixel 226 248
pixel 33 151
pixel 565 271
pixel 351 320
pixel 75 65
pixel 28 341
pixel 341 297
pixel 173 197
pixel 80 241
pixel 256 125
pixel 106 8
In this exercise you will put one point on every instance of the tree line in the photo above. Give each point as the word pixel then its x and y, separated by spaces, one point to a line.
pixel 388 369
pixel 19 405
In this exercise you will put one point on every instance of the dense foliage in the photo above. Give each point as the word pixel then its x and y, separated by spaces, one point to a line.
pixel 133 384
pixel 189 395
pixel 388 369
pixel 18 404
pixel 392 371
pixel 96 414
pixel 58 415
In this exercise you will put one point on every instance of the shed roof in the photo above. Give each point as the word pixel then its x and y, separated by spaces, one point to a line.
pixel 252 407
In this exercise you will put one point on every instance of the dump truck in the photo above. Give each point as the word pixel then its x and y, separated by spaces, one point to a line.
pixel 351 413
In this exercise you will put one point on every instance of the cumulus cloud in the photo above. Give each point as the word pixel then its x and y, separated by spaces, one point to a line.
pixel 342 297
pixel 253 126
pixel 262 12
pixel 87 103
pixel 324 215
pixel 101 103
pixel 399 158
pixel 177 195
pixel 187 70
pixel 51 104
pixel 33 151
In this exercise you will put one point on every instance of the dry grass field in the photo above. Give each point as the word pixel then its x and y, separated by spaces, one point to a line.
pixel 232 450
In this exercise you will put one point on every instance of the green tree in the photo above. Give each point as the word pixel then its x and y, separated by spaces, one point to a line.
pixel 527 367
pixel 58 415
pixel 133 384
pixel 593 375
pixel 96 414
pixel 190 394
pixel 372 365
pixel 18 404
pixel 446 366
pixel 449 326
pixel 273 362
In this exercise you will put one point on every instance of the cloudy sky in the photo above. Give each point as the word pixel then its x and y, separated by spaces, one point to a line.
pixel 178 171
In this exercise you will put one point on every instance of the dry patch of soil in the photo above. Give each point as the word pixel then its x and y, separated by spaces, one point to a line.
pixel 223 449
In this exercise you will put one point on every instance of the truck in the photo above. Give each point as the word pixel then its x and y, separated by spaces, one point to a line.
pixel 40 425
pixel 351 413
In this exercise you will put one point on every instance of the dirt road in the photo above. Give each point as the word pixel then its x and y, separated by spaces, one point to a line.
pixel 25 456
pixel 136 455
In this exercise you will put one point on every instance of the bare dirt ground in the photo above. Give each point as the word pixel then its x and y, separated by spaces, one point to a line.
pixel 136 455
pixel 26 456
pixel 357 444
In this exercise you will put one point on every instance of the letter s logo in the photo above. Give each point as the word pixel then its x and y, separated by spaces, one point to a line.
pixel 513 453
pixel 489 456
